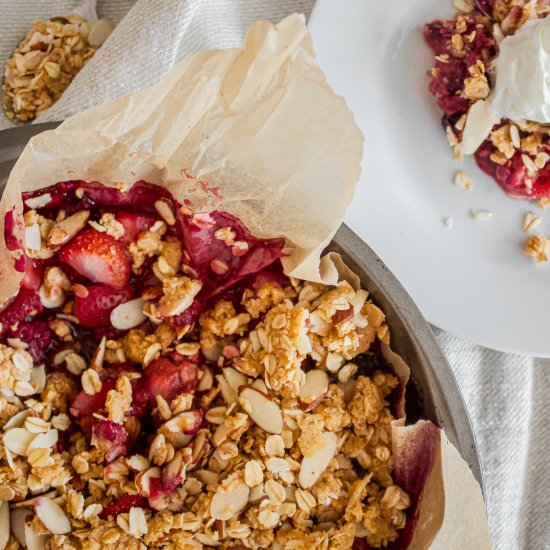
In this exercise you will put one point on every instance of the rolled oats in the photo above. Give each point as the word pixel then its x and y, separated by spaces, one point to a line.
pixel 91 382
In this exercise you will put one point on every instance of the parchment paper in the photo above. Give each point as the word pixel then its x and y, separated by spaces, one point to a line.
pixel 258 133
pixel 257 130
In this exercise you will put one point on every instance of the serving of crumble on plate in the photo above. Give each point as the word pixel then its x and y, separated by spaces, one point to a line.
pixel 444 226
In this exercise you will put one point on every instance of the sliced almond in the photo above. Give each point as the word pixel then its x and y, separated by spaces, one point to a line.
pixel 4 524
pixel 44 441
pixel 259 384
pixel 128 315
pixel 261 409
pixel 227 505
pixel 52 516
pixel 33 239
pixel 18 419
pixel 479 123
pixel 99 355
pixel 234 378
pixel 229 395
pixel 206 380
pixel 63 231
pixel 313 466
pixel 143 480
pixel 38 378
pixel 314 389
pixel 30 501
pixel 51 302
pixel 165 211
pixel 33 539
pixel 257 494
pixel 17 440
pixel 17 523
pixel 17 343
pixel 39 201
pixel 100 32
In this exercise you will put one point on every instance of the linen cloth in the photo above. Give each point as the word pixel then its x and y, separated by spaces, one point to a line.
pixel 506 395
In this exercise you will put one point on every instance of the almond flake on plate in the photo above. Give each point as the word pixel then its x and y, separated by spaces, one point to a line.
pixel 481 215
pixel 530 221
pixel 463 181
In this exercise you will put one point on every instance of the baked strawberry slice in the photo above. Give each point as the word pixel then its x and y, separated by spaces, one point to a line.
pixel 221 263
pixel 26 303
pixel 94 309
pixel 163 377
pixel 99 257
pixel 84 404
pixel 123 505
pixel 33 274
pixel 111 438
pixel 134 224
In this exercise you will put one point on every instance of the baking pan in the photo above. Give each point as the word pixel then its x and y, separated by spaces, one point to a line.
pixel 433 392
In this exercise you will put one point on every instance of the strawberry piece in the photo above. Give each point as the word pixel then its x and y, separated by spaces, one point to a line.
pixel 512 176
pixel 111 438
pixel 221 264
pixel 134 224
pixel 95 309
pixel 163 377
pixel 33 274
pixel 196 417
pixel 99 257
pixel 84 404
pixel 27 302
pixel 123 505
pixel 37 334
pixel 187 317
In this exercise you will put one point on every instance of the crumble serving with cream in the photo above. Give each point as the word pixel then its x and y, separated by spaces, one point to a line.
pixel 478 81
pixel 164 385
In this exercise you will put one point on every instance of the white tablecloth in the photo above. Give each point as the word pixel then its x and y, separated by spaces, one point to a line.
pixel 505 394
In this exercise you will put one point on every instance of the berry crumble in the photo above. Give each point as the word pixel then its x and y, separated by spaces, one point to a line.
pixel 163 384
pixel 516 152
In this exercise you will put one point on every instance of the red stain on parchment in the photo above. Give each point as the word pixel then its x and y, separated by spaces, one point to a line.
pixel 215 191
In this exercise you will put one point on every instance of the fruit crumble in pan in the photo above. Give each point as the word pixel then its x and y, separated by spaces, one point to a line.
pixel 516 152
pixel 165 385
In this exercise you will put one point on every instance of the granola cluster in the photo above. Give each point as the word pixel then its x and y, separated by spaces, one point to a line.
pixel 45 63
pixel 265 422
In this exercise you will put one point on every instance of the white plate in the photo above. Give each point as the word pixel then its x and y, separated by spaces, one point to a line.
pixel 472 280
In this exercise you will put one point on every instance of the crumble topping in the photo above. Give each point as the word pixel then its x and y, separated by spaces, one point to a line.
pixel 264 421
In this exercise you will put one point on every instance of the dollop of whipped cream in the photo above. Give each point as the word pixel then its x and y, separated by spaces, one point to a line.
pixel 522 86
pixel 522 68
